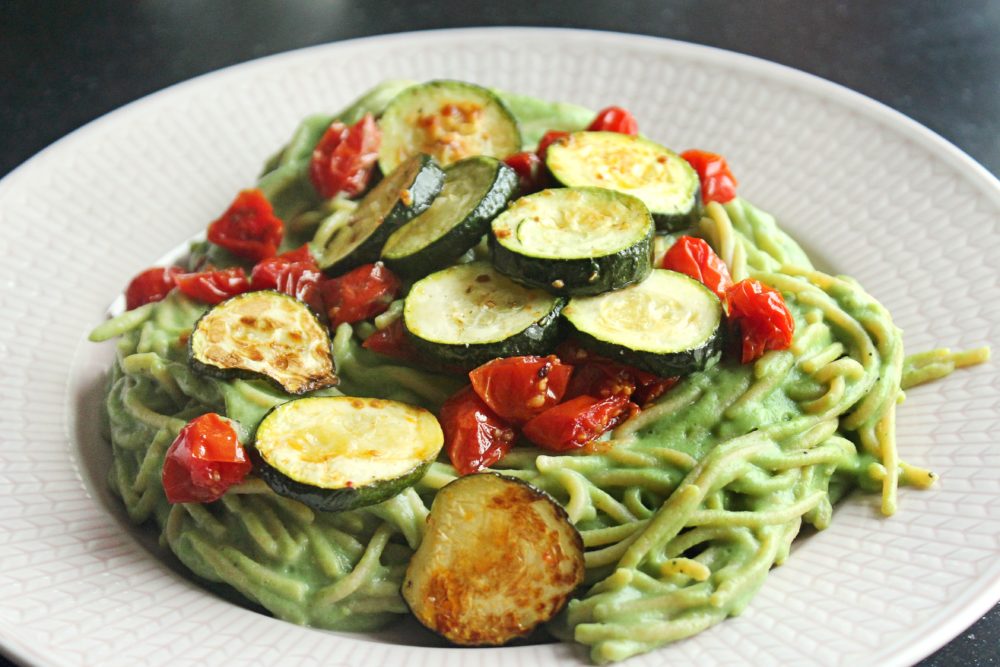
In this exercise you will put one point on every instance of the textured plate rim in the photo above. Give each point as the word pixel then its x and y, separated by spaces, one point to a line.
pixel 968 607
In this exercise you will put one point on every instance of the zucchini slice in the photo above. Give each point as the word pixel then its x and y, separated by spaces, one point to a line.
pixel 450 120
pixel 668 324
pixel 663 180
pixel 469 314
pixel 475 191
pixel 336 453
pixel 398 198
pixel 264 334
pixel 499 558
pixel 574 240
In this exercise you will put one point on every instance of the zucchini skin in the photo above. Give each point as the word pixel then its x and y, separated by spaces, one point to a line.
pixel 339 495
pixel 423 188
pixel 333 500
pixel 665 365
pixel 466 233
pixel 688 212
pixel 669 325
pixel 394 121
pixel 221 373
pixel 540 338
pixel 584 276
pixel 591 267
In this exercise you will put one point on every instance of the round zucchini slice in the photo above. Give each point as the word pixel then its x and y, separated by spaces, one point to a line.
pixel 264 334
pixel 668 324
pixel 335 453
pixel 663 180
pixel 499 558
pixel 450 120
pixel 398 198
pixel 469 314
pixel 475 191
pixel 574 240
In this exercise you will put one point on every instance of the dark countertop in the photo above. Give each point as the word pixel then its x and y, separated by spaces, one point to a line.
pixel 63 64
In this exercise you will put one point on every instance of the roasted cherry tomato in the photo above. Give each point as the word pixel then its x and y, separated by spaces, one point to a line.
pixel 598 376
pixel 717 182
pixel 265 272
pixel 359 294
pixel 694 257
pixel 249 228
pixel 344 159
pixel 764 320
pixel 204 460
pixel 391 341
pixel 614 119
pixel 520 388
pixel 213 286
pixel 150 285
pixel 531 173
pixel 578 421
pixel 294 272
pixel 547 140
pixel 474 436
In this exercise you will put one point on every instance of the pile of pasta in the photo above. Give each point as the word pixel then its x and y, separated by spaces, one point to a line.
pixel 683 511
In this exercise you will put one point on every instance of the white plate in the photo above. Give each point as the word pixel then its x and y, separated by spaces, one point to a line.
pixel 868 191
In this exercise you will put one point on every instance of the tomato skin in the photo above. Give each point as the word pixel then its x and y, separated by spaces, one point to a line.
pixel 531 173
pixel 359 294
pixel 391 341
pixel 600 377
pixel 248 228
pixel 574 423
pixel 265 272
pixel 203 461
pixel 764 321
pixel 151 285
pixel 547 140
pixel 294 272
pixel 695 258
pixel 213 287
pixel 614 119
pixel 717 182
pixel 520 388
pixel 474 436
pixel 344 159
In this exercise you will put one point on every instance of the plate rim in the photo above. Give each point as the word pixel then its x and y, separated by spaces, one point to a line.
pixel 968 607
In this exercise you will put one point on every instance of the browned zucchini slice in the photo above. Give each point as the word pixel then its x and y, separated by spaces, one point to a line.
pixel 264 334
pixel 499 558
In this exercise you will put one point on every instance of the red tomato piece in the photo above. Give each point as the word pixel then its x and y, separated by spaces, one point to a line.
pixel 717 182
pixel 213 286
pixel 344 159
pixel 474 436
pixel 294 272
pixel 763 318
pixel 151 285
pixel 547 140
pixel 614 119
pixel 249 228
pixel 601 377
pixel 578 421
pixel 204 460
pixel 359 294
pixel 265 272
pixel 531 173
pixel 694 257
pixel 391 341
pixel 520 388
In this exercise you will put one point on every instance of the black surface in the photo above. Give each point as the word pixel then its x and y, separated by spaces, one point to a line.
pixel 63 64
